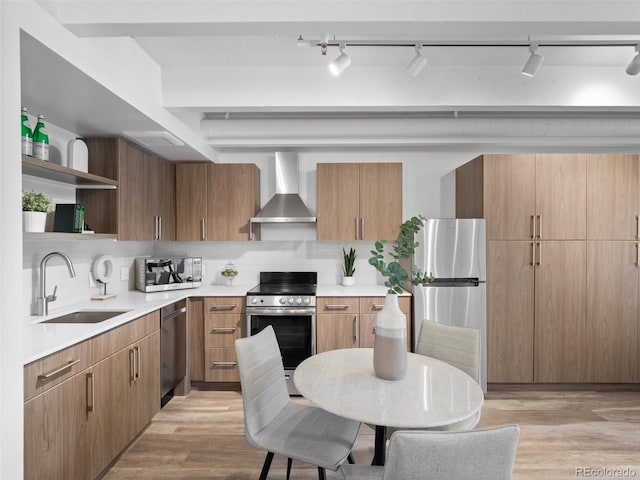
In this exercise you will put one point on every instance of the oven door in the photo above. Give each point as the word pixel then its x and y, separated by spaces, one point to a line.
pixel 295 329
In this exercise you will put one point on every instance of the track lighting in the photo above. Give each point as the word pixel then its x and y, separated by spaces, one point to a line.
pixel 634 66
pixel 341 63
pixel 533 64
pixel 417 63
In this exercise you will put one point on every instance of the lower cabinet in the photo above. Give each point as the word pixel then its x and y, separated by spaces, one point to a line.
pixel 224 322
pixel 76 428
pixel 349 322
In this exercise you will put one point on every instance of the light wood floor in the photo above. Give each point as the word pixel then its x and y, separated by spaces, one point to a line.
pixel 201 437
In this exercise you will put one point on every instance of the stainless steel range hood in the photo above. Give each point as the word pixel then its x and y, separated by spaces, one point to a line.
pixel 285 206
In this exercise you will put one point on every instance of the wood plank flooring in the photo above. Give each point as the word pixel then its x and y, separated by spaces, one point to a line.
pixel 202 437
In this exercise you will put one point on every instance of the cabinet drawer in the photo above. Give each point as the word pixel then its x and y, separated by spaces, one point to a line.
pixel 222 365
pixel 222 330
pixel 224 304
pixel 375 304
pixel 43 374
pixel 338 305
pixel 115 340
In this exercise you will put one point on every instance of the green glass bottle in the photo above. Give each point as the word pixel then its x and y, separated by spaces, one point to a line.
pixel 41 140
pixel 27 134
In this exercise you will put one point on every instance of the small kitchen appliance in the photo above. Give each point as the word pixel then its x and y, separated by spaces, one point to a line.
pixel 161 274
pixel 287 302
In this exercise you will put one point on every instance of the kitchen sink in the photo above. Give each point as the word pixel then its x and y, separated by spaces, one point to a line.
pixel 86 316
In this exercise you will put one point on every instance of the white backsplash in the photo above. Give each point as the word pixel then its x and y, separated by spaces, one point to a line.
pixel 250 259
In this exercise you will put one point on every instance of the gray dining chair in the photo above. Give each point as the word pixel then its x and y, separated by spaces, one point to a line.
pixel 276 424
pixel 484 454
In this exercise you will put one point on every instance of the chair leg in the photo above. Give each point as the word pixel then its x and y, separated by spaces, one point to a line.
pixel 289 461
pixel 321 474
pixel 350 458
pixel 266 466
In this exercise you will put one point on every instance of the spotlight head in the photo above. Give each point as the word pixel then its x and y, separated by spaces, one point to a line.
pixel 341 63
pixel 533 64
pixel 418 62
pixel 634 66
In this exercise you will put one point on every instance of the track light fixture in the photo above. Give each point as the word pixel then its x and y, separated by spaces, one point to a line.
pixel 533 64
pixel 634 66
pixel 341 63
pixel 417 63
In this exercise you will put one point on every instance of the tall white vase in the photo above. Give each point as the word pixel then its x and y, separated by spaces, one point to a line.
pixel 390 347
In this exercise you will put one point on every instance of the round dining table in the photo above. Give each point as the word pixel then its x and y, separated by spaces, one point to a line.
pixel 431 394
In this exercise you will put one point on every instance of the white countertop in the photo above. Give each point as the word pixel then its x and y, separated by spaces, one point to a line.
pixel 42 339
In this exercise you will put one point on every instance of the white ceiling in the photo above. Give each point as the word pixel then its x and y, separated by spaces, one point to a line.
pixel 241 55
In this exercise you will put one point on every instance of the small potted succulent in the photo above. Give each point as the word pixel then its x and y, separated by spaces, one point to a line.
pixel 35 207
pixel 349 267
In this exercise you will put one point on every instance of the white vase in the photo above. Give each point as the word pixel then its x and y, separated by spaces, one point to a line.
pixel 348 281
pixel 390 346
pixel 34 221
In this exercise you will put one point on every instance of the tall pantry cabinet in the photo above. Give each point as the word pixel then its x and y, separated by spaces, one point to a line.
pixel 535 208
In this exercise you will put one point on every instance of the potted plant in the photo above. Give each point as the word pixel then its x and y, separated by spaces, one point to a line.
pixel 35 207
pixel 390 345
pixel 349 267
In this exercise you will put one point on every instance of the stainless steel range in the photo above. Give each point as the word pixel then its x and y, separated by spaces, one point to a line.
pixel 287 302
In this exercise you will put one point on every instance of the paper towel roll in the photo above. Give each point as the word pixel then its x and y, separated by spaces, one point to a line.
pixel 103 269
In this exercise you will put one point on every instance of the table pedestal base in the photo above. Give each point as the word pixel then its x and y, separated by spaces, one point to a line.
pixel 380 446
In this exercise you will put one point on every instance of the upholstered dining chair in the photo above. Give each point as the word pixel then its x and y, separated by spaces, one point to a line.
pixel 457 346
pixel 483 454
pixel 276 424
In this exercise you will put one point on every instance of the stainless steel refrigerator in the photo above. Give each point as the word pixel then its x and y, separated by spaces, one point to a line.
pixel 454 252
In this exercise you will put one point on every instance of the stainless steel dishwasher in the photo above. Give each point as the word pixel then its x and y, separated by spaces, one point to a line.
pixel 173 348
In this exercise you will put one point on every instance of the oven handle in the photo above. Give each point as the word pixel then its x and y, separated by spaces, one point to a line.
pixel 280 311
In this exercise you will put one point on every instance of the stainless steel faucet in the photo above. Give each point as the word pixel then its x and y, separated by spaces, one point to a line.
pixel 44 299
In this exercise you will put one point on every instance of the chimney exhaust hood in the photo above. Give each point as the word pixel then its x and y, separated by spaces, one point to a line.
pixel 285 206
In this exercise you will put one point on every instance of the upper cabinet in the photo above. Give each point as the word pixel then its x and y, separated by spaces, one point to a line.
pixel 143 206
pixel 613 203
pixel 215 202
pixel 359 201
pixel 525 197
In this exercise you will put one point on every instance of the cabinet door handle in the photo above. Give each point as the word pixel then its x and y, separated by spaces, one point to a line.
pixel 159 228
pixel 227 306
pixel 336 307
pixel 361 228
pixel 202 229
pixel 539 262
pixel 132 365
pixel 90 391
pixel 136 349
pixel 539 226
pixel 637 253
pixel 57 371
pixel 225 364
pixel 533 254
pixel 533 226
pixel 637 227
pixel 356 329
pixel 376 306
pixel 224 330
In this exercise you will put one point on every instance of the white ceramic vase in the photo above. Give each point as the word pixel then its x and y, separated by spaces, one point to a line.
pixel 348 281
pixel 390 347
pixel 34 221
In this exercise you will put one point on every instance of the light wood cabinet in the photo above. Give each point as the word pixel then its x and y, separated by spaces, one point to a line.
pixel 613 197
pixel 612 311
pixel 349 322
pixel 195 335
pixel 224 322
pixel 560 312
pixel 510 311
pixel 143 206
pixel 76 425
pixel 216 201
pixel 359 201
